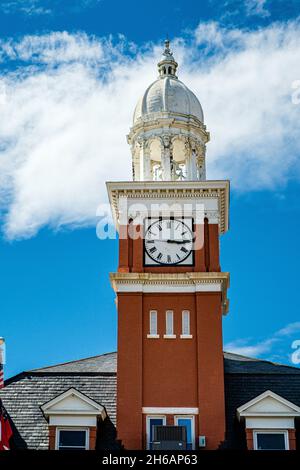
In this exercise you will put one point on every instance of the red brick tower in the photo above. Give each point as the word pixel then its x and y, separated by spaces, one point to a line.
pixel 171 293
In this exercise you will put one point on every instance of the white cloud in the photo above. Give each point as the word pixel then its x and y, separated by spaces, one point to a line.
pixel 246 348
pixel 53 49
pixel 67 107
pixel 28 7
pixel 252 350
pixel 256 8
pixel 44 7
pixel 289 329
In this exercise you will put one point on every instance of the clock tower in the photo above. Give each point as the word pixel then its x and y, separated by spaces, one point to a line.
pixel 171 292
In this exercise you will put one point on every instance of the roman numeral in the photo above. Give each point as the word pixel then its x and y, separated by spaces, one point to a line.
pixel 159 256
pixel 159 227
pixel 152 250
pixel 169 259
pixel 149 241
pixel 184 249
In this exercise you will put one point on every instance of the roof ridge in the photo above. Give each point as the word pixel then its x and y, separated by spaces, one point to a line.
pixel 39 369
pixel 257 359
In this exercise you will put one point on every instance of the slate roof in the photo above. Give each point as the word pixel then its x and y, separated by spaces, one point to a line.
pixel 23 394
pixel 237 364
pixel 98 364
pixel 245 378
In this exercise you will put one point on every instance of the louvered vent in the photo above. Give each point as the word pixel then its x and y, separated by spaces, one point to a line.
pixel 170 433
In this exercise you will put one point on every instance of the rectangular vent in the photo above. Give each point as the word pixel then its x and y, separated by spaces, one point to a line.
pixel 170 433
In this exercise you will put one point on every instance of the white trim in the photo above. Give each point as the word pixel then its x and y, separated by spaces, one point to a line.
pixel 271 431
pixel 169 411
pixel 269 422
pixel 167 287
pixel 73 428
pixel 152 336
pixel 170 336
pixel 189 282
pixel 202 287
pixel 186 336
pixel 98 410
pixel 71 420
pixel 192 418
pixel 148 418
pixel 242 410
pixel 191 192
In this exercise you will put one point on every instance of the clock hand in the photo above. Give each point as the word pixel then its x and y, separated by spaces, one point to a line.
pixel 179 242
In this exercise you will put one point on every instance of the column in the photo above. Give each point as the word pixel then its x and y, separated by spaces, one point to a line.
pixel 145 163
pixel 166 158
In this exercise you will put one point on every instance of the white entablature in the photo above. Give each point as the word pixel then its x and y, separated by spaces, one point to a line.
pixel 168 136
pixel 201 199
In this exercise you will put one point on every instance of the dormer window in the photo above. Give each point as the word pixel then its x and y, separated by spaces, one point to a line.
pixel 72 439
pixel 73 419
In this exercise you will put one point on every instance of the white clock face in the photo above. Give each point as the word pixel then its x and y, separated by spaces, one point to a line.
pixel 168 242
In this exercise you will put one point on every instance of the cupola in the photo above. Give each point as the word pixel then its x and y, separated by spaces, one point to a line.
pixel 168 135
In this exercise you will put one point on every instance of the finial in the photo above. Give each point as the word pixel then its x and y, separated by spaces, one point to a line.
pixel 167 66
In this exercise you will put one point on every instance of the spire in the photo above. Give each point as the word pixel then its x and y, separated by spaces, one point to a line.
pixel 167 66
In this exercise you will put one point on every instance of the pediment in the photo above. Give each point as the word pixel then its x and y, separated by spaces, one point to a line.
pixel 268 404
pixel 72 402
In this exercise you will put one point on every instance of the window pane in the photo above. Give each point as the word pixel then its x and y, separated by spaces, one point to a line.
pixel 72 438
pixel 153 322
pixel 185 322
pixel 270 441
pixel 169 322
pixel 154 422
pixel 187 422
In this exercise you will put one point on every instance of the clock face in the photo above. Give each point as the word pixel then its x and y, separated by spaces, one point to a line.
pixel 169 242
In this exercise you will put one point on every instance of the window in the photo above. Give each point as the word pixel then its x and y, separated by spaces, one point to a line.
pixel 72 439
pixel 188 422
pixel 169 324
pixel 271 440
pixel 153 324
pixel 186 324
pixel 151 422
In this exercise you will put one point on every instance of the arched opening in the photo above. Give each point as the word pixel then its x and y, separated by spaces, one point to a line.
pixel 155 159
pixel 179 164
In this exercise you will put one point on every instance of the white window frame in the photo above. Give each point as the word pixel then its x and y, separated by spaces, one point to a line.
pixel 87 436
pixel 192 418
pixel 169 331
pixel 271 431
pixel 184 334
pixel 148 418
pixel 151 333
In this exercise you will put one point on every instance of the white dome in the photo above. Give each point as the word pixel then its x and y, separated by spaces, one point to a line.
pixel 167 95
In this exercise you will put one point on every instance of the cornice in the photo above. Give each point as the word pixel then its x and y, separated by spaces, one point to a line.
pixel 172 190
pixel 184 282
pixel 163 121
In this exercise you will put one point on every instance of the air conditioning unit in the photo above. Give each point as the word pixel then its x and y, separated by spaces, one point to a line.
pixel 169 438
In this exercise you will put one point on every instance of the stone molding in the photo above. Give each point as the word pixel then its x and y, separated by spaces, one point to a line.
pixel 173 282
pixel 185 190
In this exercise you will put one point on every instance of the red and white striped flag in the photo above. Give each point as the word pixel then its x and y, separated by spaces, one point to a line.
pixel 1 376
pixel 5 429
pixel 1 362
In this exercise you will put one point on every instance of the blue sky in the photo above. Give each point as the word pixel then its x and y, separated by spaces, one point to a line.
pixel 70 75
